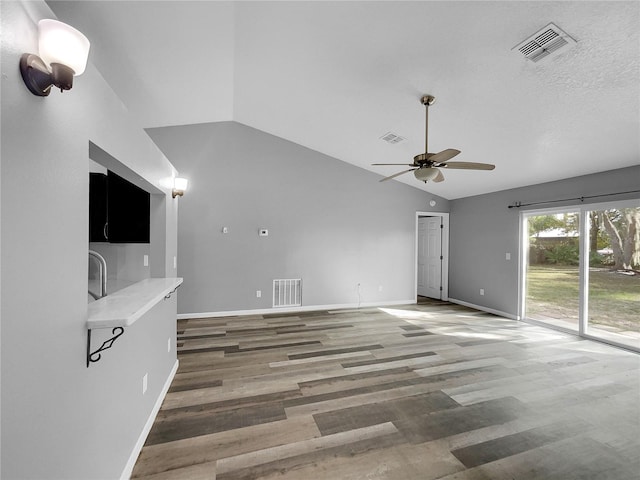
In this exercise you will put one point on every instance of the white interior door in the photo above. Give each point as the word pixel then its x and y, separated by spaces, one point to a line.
pixel 430 257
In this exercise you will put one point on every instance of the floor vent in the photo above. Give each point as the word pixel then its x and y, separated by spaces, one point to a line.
pixel 287 292
pixel 391 138
pixel 544 43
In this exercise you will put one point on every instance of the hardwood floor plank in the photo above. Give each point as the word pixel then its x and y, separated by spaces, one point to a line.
pixel 496 449
pixel 462 419
pixel 576 458
pixel 209 448
pixel 306 446
pixel 346 381
pixel 387 359
pixel 201 471
pixel 320 359
pixel 386 462
pixel 335 351
pixel 190 398
pixel 400 409
pixel 194 424
pixel 194 385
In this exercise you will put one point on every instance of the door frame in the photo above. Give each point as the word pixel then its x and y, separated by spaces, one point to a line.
pixel 445 252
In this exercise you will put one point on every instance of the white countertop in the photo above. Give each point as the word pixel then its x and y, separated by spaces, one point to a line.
pixel 125 306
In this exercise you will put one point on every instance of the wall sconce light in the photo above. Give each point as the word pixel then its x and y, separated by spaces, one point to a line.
pixel 63 55
pixel 179 186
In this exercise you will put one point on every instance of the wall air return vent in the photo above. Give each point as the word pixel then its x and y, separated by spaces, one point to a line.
pixel 545 43
pixel 287 292
pixel 391 138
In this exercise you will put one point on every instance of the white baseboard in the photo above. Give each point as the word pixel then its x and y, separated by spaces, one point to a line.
pixel 128 469
pixel 484 309
pixel 268 311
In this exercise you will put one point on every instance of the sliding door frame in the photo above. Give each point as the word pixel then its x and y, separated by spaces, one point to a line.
pixel 583 313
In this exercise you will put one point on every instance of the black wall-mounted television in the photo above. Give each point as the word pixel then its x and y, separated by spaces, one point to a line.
pixel 126 218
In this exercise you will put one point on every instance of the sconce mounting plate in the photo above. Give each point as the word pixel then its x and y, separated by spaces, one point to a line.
pixel 35 74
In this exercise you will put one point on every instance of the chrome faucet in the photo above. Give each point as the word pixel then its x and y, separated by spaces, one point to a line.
pixel 102 272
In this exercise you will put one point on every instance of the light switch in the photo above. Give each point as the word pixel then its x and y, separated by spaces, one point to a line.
pixel 145 260
pixel 508 256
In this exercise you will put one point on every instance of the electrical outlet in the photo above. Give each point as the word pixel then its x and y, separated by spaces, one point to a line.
pixel 507 256
pixel 169 345
pixel 379 288
pixel 145 260
pixel 144 383
pixel 482 291
pixel 258 293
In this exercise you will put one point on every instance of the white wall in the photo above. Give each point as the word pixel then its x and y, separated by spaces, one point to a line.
pixel 330 223
pixel 61 419
pixel 483 229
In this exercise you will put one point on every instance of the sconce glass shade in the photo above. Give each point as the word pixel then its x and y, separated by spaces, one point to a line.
pixel 180 184
pixel 62 44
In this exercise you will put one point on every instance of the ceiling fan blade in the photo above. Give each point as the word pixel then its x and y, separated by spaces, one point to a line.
pixel 468 166
pixel 407 164
pixel 438 178
pixel 397 174
pixel 444 155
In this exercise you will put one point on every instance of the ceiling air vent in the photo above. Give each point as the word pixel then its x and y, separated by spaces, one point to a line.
pixel 391 138
pixel 545 43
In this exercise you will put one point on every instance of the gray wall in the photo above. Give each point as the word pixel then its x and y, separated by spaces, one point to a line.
pixel 330 223
pixel 483 229
pixel 59 418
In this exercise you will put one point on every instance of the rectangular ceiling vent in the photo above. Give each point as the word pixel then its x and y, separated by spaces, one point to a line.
pixel 391 138
pixel 544 43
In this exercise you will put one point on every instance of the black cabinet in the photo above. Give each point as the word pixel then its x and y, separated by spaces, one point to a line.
pixel 118 210
pixel 97 207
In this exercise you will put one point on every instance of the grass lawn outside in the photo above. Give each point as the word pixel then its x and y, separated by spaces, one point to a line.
pixel 614 297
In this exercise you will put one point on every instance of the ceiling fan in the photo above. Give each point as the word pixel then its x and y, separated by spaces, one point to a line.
pixel 426 166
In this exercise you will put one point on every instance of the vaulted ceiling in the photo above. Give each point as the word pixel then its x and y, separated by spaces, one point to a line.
pixel 337 76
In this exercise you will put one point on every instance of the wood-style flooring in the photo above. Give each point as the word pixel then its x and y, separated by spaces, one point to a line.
pixel 427 391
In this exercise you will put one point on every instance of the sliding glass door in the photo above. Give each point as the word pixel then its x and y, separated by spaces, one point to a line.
pixel 581 270
pixel 614 275
pixel 553 274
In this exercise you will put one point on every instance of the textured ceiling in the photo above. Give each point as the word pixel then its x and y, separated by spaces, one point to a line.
pixel 336 76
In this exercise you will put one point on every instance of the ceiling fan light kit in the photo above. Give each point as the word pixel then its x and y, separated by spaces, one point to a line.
pixel 426 166
pixel 426 174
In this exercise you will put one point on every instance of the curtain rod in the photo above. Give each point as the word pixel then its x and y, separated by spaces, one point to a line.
pixel 519 204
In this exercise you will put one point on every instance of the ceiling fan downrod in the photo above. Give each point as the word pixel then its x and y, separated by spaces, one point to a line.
pixel 426 101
